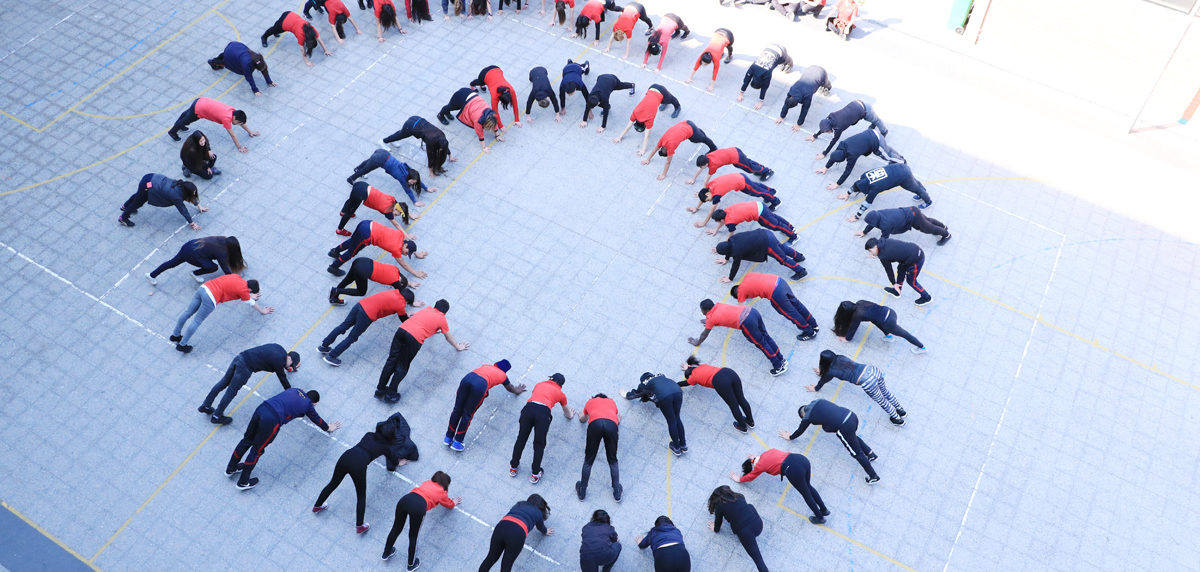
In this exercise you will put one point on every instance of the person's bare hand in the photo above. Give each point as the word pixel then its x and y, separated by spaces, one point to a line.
pixel 268 310
pixel 711 232
pixel 310 64
pixel 489 17
pixel 453 159
pixel 418 303
pixel 810 138
pixel 195 226
pixel 244 149
pixel 258 94
pixel 402 462
pixel 646 161
pixel 734 477
pixel 549 532
pixel 641 152
pixel 582 124
pixel 273 84
pixel 690 182
pixel 458 501
pixel 842 197
pixel 606 50
pixel 421 274
pixel 557 118
pixel 817 370
pixel 710 88
pixel 358 32
pixel 820 170
pixel 599 130
pixel 712 526
pixel 810 388
pixel 340 41
pixel 741 97
pixel 327 53
pixel 819 156
pixel 334 426
pixel 692 210
pixel 688 80
pixel 698 224
pixel 518 123
pixel 381 40
pixel 462 347
pixel 831 186
pixel 843 339
pixel 758 105
pixel 203 209
pixel 575 35
pixel 786 436
pixel 499 138
pixel 660 176
pixel 860 233
pixel 638 539
pixel 520 388
pixel 543 13
pixel 720 261
pixel 724 280
pixel 487 149
pixel 656 70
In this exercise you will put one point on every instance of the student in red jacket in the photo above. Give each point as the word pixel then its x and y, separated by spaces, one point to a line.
pixel 364 270
pixel 746 319
pixel 592 13
pixel 414 506
pixel 217 112
pixel 305 34
pixel 670 141
pixel 536 417
pixel 473 112
pixel 642 119
pixel 367 233
pixel 338 15
pixel 725 184
pixel 560 16
pixel 623 28
pixel 728 156
pixel 776 289
pixel 722 40
pixel 795 467
pixel 656 45
pixel 600 416
pixel 728 386
pixel 216 291
pixel 472 390
pixel 752 211
pixel 374 199
pixel 409 339
pixel 492 79
pixel 385 18
pixel 361 316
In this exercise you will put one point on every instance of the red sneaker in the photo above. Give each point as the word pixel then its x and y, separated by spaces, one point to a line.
pixel 342 232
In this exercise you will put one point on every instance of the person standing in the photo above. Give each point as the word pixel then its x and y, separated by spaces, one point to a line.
pixel 669 28
pixel 642 119
pixel 843 119
pixel 743 318
pixel 572 81
pixel 727 385
pixel 198 158
pixel 217 112
pixel 492 79
pixel 668 397
pixel 725 184
pixel 814 79
pixel 159 191
pixel 599 97
pixel 207 255
pixel 722 40
pixel 600 547
pixel 392 240
pixel 902 220
pixel 882 179
pixel 868 377
pixel 600 416
pixel 536 416
pixel 240 59
pixel 542 92
pixel 361 316
pixel 363 271
pixel 869 142
pixel 752 211
pixel 755 246
pixel 795 467
pixel 409 339
pixel 354 462
pixel 270 416
pixel 670 141
pixel 306 35
pixel 413 507
pixel 666 542
pixel 409 178
pixel 779 293
pixel 744 522
pixel 376 200
pixel 270 358
pixel 909 260
pixel 508 536
pixel 758 76
pixel 728 156
pixel 208 296
pixel 472 390
pixel 844 423
pixel 850 314
pixel 437 147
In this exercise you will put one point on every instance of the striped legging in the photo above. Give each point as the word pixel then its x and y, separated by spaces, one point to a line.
pixel 871 381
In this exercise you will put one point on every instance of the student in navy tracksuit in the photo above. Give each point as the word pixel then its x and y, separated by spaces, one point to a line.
pixel 755 246
pixel 601 92
pixel 542 92
pixel 759 75
pixel 269 417
pixel 909 259
pixel 901 220
pixel 600 547
pixel 743 318
pixel 270 358
pixel 844 423
pixel 883 179
pixel 776 289
pixel 409 178
pixel 472 390
pixel 665 394
pixel 161 191
pixel 207 254
pixel 240 59
pixel 850 314
pixel 666 542
pixel 572 81
pixel 843 119
pixel 868 377
pixel 508 537
pixel 869 142
pixel 814 79
pixel 744 522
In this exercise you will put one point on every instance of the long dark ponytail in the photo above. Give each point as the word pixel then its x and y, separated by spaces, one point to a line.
pixel 826 360
pixel 560 8
pixel 435 156
pixel 387 17
pixel 841 318
pixel 234 250
pixel 310 39
pixel 339 23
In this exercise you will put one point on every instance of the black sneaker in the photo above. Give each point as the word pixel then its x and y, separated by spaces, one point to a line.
pixel 675 450
pixel 683 448
pixel 902 412
pixel 324 349
pixel 335 362
pixel 380 394
pixel 124 221
pixel 944 240
pixel 898 422
pixel 174 136
pixel 728 58
pixel 824 512
pixel 800 257
pixel 872 480
pixel 580 490
pixel 872 456
pixel 892 291
pixel 176 339
pixel 229 473
pixel 633 90
pixel 770 173
pixel 617 493
pixel 334 298
pixel 443 120
pixel 182 348
pixel 675 113
pixel 779 370
pixel 923 300
pixel 350 179
pixel 220 420
pixel 389 552
pixel 334 270
pixel 750 423
pixel 416 564
pixel 771 207
pixel 806 337
pixel 740 427
pixel 215 67
pixel 264 43
pixel 205 409
pixel 216 171
pixel 333 253
pixel 253 482
pixel 392 397
pixel 186 173
pixel 800 274
pixel 185 128
pixel 816 519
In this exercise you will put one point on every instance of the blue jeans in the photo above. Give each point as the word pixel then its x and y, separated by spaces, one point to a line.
pixel 200 307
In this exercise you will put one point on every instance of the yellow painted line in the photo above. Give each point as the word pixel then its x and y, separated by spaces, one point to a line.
pixel 853 541
pixel 237 34
pixel 51 537
pixel 760 440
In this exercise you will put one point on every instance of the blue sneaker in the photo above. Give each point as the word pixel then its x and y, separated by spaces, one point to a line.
pixel 925 206
pixel 447 441
pixel 457 446
pixel 888 338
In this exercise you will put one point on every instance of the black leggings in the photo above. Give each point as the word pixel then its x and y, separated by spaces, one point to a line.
pixel 601 430
pixel 535 417
pixel 641 14
pixel 508 538
pixel 729 387
pixel 360 275
pixel 799 473
pixel 186 118
pixel 749 538
pixel 187 253
pixel 700 138
pixel 404 349
pixel 668 97
pixel 457 101
pixel 922 223
pixel 889 327
pixel 354 463
pixel 276 29
pixel 478 82
pixel 848 435
pixel 410 506
pixel 672 559
pixel 407 130
pixel 680 28
pixel 358 194
pixel 729 35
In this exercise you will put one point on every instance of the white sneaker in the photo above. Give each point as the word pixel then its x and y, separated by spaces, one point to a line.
pixel 199 279
pixel 383 145
pixel 888 338
pixel 151 279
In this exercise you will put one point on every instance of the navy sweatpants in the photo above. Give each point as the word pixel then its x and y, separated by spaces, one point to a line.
pixel 784 254
pixel 746 164
pixel 471 392
pixel 788 306
pixel 909 272
pixel 352 245
pixel 263 428
pixel 357 322
pixel 772 221
pixel 754 330
pixel 798 472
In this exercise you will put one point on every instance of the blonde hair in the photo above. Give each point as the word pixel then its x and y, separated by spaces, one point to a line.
pixel 619 35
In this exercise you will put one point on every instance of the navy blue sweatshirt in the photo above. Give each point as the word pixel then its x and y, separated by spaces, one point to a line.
pixel 823 414
pixel 269 357
pixel 890 221
pixel 752 246
pixel 374 447
pixel 865 312
pixel 212 248
pixel 238 60
pixel 880 179
pixel 572 74
pixel 813 78
pixel 665 533
pixel 842 368
pixel 598 539
pixel 293 403
pixel 528 514
pixel 656 389
pixel 759 74
pixel 605 84
pixel 541 89
pixel 840 120
pixel 739 513
pixel 899 252
pixel 855 146
pixel 165 192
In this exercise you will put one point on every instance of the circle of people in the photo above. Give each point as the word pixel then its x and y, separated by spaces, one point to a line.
pixel 479 106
